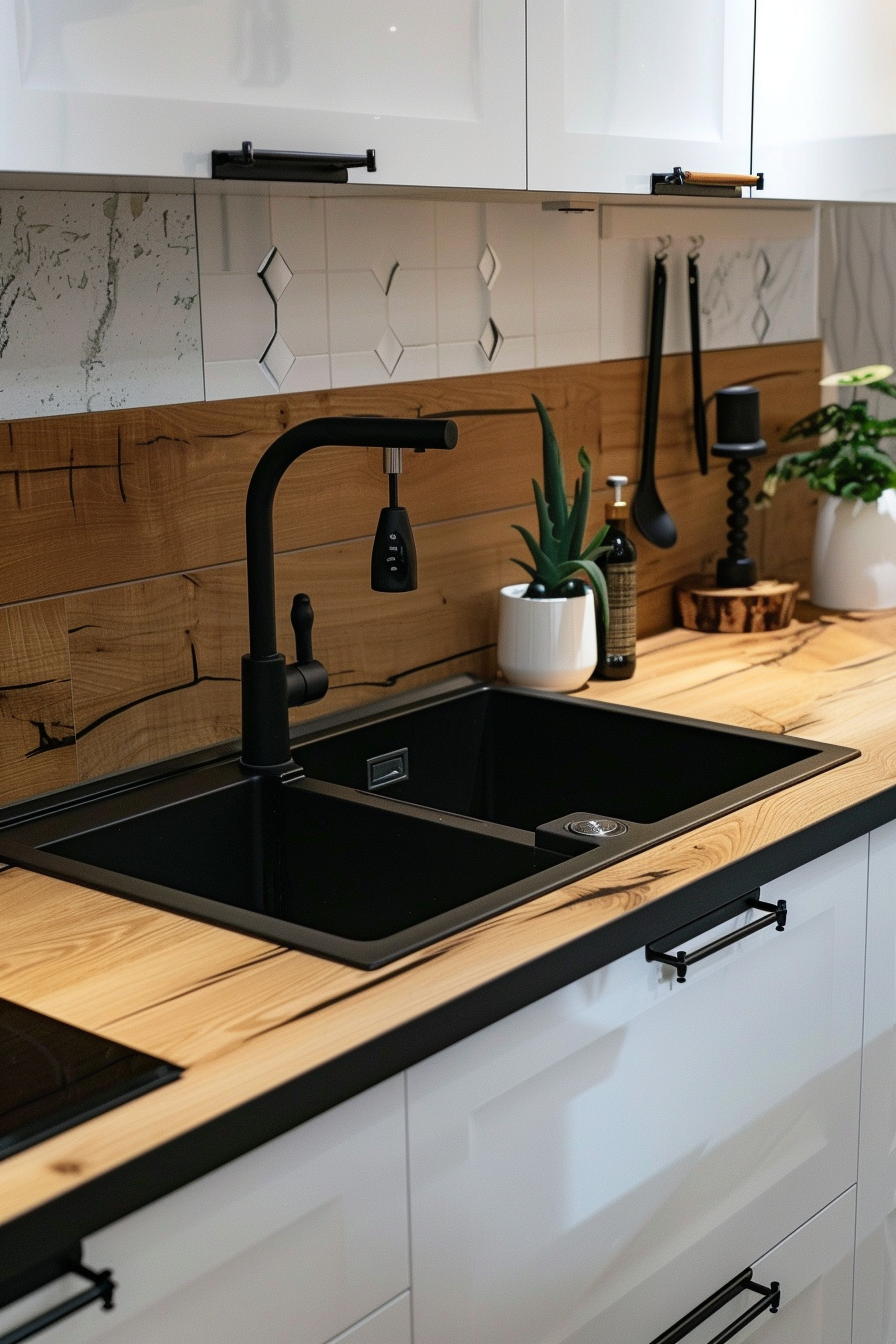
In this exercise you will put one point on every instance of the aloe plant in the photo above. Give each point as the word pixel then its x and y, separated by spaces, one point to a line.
pixel 852 463
pixel 560 554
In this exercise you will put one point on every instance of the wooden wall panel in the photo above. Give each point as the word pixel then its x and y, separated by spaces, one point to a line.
pixel 132 524
pixel 37 744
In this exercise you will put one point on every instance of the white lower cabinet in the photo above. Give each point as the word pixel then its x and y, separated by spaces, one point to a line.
pixel 592 1167
pixel 875 1295
pixel 290 1244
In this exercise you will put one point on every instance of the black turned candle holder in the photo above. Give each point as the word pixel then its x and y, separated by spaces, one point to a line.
pixel 737 423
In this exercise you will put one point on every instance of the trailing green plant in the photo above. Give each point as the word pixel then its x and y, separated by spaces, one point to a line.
pixel 560 554
pixel 852 463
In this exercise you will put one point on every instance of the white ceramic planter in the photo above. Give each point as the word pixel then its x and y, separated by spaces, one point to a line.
pixel 854 556
pixel 547 643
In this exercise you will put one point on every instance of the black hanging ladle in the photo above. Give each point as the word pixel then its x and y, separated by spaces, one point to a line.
pixel 650 516
pixel 697 357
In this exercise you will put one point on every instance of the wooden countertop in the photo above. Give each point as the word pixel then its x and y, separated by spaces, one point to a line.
pixel 243 1016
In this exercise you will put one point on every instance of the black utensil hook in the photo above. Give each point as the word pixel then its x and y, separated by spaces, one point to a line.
pixel 648 510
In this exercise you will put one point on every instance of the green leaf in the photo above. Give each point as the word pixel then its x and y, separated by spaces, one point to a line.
pixel 545 529
pixel 548 571
pixel 595 546
pixel 584 502
pixel 533 574
pixel 552 469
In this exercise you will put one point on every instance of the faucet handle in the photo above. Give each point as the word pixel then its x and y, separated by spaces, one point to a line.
pixel 306 678
pixel 302 619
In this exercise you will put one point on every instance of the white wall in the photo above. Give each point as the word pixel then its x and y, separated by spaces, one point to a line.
pixel 857 290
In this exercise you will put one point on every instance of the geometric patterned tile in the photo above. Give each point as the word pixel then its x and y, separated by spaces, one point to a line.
pixel 489 266
pixel 275 274
pixel 389 350
pixel 384 269
pixel 491 340
pixel 277 360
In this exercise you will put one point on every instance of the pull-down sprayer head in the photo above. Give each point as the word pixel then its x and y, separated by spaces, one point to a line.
pixel 393 561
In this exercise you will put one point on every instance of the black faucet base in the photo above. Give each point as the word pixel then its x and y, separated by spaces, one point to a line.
pixel 265 726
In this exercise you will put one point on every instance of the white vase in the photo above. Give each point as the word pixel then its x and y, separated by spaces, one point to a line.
pixel 854 556
pixel 547 643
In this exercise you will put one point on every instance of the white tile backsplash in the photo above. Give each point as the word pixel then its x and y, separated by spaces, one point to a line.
pixel 412 306
pixel 358 313
pixel 566 261
pixel 297 223
pixel 237 317
pixel 751 293
pixel 460 233
pixel 463 304
pixel 302 318
pixel 104 304
pixel 360 230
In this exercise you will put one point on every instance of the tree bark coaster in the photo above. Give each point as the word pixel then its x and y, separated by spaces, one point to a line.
pixel 765 605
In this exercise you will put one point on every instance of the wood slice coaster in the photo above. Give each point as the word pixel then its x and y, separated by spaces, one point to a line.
pixel 766 605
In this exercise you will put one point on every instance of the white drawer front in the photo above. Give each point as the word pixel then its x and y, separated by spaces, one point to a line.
pixel 633 1140
pixel 814 1267
pixel 289 1244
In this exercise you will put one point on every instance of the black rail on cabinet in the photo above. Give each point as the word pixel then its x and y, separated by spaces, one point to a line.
pixel 769 1300
pixel 284 165
pixel 660 950
pixel 102 1289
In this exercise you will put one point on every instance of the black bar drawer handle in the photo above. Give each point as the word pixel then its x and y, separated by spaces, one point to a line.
pixel 774 914
pixel 102 1289
pixel 769 1300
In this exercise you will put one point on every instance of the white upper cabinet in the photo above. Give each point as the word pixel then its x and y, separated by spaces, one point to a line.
pixel 150 87
pixel 596 1165
pixel 620 89
pixel 825 116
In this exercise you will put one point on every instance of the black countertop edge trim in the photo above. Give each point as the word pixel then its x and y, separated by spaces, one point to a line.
pixel 47 1230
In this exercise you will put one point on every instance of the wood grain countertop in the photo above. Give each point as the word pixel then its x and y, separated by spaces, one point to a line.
pixel 269 1036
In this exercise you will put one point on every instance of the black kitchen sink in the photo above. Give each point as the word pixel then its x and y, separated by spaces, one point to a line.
pixel 407 821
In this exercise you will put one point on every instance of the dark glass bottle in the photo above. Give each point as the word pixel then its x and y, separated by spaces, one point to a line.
pixel 616 645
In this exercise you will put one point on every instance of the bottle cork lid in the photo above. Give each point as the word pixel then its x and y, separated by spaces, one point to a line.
pixel 617 508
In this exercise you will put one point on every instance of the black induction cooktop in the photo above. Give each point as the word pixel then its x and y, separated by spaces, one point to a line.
pixel 54 1076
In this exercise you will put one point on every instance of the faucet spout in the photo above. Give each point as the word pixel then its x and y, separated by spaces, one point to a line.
pixel 264 673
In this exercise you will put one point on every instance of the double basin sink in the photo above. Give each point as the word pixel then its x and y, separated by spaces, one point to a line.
pixel 407 821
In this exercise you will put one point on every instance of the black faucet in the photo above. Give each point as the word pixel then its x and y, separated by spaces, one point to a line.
pixel 270 687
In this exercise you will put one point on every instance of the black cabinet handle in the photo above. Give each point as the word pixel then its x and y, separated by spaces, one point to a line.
pixel 660 950
pixel 769 1300
pixel 102 1289
pixel 284 165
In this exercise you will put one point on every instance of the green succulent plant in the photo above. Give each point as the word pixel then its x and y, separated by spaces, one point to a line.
pixel 852 463
pixel 560 554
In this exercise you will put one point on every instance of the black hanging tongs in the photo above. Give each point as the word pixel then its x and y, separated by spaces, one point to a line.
pixel 650 516
pixel 696 356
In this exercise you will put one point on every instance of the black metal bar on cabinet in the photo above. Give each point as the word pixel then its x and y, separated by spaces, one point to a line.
pixel 285 165
pixel 102 1289
pixel 769 1300
pixel 659 951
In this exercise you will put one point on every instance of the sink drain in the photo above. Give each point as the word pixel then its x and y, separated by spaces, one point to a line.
pixel 595 827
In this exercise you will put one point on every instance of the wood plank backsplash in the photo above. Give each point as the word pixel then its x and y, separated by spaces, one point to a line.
pixel 122 582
